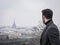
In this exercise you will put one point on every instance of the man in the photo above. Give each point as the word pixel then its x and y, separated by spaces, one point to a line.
pixel 50 35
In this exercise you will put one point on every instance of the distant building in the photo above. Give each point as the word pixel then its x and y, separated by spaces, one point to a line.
pixel 14 25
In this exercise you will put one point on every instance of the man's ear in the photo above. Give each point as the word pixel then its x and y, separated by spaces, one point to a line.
pixel 44 17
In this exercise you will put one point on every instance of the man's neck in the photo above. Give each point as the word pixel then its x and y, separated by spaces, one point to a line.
pixel 47 21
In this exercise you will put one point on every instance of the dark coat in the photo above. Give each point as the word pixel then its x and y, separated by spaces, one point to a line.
pixel 50 35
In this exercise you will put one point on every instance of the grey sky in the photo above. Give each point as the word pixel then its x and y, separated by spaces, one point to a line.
pixel 26 12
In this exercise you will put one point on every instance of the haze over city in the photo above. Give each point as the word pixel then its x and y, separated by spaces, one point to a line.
pixel 26 12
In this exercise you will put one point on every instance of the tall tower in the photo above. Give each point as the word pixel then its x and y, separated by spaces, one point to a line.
pixel 14 25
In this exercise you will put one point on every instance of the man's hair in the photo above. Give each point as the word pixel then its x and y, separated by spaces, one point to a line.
pixel 48 13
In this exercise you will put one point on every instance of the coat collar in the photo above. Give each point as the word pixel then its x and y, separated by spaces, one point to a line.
pixel 49 22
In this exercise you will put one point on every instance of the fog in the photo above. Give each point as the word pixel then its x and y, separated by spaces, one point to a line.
pixel 26 12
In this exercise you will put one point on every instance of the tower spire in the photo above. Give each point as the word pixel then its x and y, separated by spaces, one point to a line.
pixel 14 25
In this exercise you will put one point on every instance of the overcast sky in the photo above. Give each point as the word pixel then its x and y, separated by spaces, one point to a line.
pixel 26 12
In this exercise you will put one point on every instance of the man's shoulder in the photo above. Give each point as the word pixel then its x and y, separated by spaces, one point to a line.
pixel 53 26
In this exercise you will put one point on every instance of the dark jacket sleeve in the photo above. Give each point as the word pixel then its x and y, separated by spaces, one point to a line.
pixel 53 36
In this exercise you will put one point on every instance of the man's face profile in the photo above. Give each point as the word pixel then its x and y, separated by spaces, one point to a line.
pixel 43 19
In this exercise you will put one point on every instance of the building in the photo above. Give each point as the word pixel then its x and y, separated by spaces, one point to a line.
pixel 14 25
